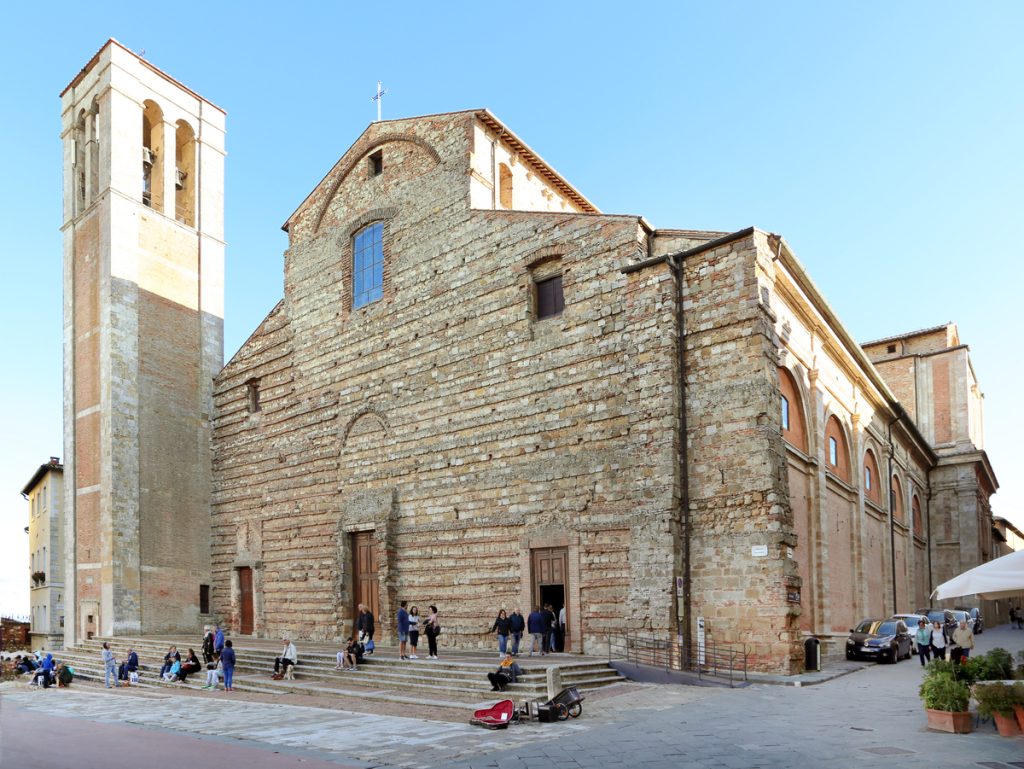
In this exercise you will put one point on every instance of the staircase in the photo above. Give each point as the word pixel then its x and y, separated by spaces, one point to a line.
pixel 459 677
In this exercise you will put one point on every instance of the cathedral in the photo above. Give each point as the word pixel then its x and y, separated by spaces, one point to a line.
pixel 480 392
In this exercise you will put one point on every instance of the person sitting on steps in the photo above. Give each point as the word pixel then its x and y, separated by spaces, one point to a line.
pixel 507 673
pixel 288 658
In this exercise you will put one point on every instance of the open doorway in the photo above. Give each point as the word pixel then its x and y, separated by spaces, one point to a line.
pixel 550 569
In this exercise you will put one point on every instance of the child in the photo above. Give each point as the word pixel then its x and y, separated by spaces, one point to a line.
pixel 214 670
pixel 172 674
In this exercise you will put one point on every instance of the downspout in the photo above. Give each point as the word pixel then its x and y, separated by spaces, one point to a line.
pixel 676 264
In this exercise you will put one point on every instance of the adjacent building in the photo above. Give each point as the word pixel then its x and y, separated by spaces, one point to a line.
pixel 45 495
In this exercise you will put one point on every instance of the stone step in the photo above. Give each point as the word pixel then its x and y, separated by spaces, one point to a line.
pixel 461 674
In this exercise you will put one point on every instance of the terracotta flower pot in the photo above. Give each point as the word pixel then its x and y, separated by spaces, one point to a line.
pixel 1018 711
pixel 1007 725
pixel 948 721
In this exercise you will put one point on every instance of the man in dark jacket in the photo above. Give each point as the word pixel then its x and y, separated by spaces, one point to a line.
pixel 364 624
pixel 535 625
pixel 130 665
pixel 549 628
pixel 516 626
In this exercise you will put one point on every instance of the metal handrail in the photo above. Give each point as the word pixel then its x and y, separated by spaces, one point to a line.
pixel 711 659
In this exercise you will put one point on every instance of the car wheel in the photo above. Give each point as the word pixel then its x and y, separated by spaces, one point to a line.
pixel 894 656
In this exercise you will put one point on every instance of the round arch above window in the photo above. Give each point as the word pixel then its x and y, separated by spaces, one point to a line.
pixel 837 449
pixel 898 511
pixel 915 511
pixel 872 480
pixel 792 417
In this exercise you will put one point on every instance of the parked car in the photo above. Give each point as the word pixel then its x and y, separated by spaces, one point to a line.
pixel 911 621
pixel 975 615
pixel 945 616
pixel 883 640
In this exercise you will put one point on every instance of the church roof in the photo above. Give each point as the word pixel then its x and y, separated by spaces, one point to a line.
pixel 909 334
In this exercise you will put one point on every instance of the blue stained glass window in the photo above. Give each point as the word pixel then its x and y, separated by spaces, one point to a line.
pixel 368 265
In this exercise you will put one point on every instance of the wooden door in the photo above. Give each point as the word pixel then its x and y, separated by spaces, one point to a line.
pixel 365 588
pixel 550 570
pixel 245 596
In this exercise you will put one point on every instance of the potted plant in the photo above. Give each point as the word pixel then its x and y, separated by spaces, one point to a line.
pixel 1018 705
pixel 997 700
pixel 945 701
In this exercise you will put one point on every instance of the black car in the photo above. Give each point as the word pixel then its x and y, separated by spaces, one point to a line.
pixel 945 616
pixel 882 640
pixel 977 624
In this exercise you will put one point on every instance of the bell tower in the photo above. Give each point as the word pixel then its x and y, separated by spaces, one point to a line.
pixel 143 257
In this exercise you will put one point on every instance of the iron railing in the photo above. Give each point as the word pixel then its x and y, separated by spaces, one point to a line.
pixel 708 660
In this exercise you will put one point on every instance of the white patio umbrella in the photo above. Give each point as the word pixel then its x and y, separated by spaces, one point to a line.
pixel 1001 578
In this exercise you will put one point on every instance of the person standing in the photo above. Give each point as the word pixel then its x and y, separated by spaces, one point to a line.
pixel 516 626
pixel 432 627
pixel 963 642
pixel 938 641
pixel 535 626
pixel 288 658
pixel 109 666
pixel 364 627
pixel 402 623
pixel 227 659
pixel 414 631
pixel 923 637
pixel 549 628
pixel 218 640
pixel 207 644
pixel 502 625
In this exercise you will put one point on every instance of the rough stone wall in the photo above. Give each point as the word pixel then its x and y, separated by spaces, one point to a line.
pixel 738 487
pixel 445 417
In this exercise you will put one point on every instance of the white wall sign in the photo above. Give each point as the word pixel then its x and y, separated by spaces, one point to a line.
pixel 759 551
pixel 700 640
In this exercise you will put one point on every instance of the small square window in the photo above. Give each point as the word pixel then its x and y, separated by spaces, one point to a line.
pixel 377 163
pixel 785 413
pixel 833 452
pixel 550 300
pixel 891 348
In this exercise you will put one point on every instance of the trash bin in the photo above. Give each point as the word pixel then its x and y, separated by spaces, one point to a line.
pixel 812 654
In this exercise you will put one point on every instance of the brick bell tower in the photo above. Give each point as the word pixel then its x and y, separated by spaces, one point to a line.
pixel 143 232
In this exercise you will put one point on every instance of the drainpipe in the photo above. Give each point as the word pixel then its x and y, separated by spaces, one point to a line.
pixel 676 264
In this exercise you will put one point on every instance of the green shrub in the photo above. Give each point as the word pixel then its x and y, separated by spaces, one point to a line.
pixel 940 690
pixel 1000 665
pixel 996 699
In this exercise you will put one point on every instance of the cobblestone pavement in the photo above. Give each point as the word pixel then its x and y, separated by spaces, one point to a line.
pixel 868 718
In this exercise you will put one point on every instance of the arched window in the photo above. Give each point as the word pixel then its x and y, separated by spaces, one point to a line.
pixel 915 511
pixel 872 480
pixel 368 264
pixel 896 500
pixel 504 186
pixel 794 430
pixel 152 155
pixel 837 452
pixel 81 142
pixel 94 151
pixel 184 174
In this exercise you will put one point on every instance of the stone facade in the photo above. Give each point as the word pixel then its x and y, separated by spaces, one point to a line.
pixel 143 301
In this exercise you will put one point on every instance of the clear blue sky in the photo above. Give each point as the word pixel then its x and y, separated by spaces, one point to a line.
pixel 883 140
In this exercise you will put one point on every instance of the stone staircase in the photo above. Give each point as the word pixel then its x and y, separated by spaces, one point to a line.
pixel 459 676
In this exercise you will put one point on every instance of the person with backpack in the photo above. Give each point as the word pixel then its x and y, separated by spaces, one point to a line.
pixel 535 626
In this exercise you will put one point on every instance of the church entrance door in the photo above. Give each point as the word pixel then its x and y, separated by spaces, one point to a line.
pixel 550 567
pixel 245 600
pixel 364 573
